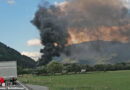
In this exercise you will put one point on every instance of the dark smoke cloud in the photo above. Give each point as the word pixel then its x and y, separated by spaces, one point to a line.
pixel 54 21
pixel 95 13
pixel 52 31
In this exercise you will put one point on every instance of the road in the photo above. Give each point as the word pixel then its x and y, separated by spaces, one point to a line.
pixel 36 87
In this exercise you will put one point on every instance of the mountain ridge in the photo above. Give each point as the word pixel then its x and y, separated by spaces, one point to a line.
pixel 10 54
pixel 97 52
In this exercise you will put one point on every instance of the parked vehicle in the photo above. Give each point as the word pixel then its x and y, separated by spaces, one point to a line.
pixel 8 76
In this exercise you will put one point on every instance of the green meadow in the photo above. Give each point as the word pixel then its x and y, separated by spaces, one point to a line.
pixel 111 80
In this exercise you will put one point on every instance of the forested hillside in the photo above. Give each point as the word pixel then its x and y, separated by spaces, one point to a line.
pixel 9 54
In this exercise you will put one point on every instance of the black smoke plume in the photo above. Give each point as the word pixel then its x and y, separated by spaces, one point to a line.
pixel 53 21
pixel 52 31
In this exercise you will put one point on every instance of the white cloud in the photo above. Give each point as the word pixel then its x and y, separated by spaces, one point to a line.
pixel 127 3
pixel 62 5
pixel 34 42
pixel 33 55
pixel 11 2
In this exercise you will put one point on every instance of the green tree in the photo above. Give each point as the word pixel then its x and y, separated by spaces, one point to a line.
pixel 19 70
pixel 54 67
pixel 73 67
pixel 41 70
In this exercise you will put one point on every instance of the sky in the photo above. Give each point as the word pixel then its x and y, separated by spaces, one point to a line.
pixel 16 31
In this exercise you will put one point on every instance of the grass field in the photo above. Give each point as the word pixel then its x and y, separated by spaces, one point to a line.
pixel 113 80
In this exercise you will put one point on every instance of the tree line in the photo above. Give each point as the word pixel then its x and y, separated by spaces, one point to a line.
pixel 56 67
